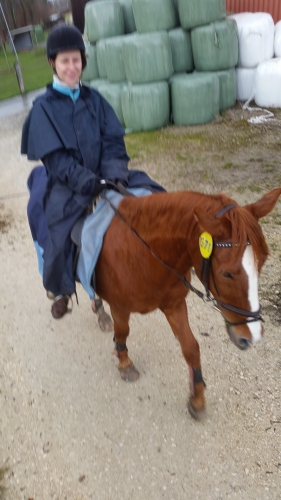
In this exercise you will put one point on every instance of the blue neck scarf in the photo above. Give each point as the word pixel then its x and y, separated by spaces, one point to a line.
pixel 74 94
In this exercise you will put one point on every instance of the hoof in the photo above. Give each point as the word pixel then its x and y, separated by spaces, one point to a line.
pixel 129 374
pixel 104 320
pixel 196 414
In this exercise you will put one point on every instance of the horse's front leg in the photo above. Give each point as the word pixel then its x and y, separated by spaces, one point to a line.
pixel 178 320
pixel 126 366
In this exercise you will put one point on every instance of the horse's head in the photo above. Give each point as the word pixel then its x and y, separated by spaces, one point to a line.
pixel 239 252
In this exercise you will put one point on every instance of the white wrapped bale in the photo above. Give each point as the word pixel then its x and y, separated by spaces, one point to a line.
pixel 256 37
pixel 115 69
pixel 112 93
pixel 277 40
pixel 129 20
pixel 267 84
pixel 147 57
pixel 146 107
pixel 215 47
pixel 195 98
pixel 91 71
pixel 154 15
pixel 181 50
pixel 103 20
pixel 195 13
pixel 245 83
pixel 101 57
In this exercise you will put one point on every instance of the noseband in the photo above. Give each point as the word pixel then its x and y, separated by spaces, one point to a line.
pixel 206 271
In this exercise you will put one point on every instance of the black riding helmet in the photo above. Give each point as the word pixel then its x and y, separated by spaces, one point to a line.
pixel 65 37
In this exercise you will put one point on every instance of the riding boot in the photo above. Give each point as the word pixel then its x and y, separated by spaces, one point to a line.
pixel 59 307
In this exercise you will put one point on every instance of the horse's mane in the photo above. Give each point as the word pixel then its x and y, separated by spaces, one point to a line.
pixel 175 212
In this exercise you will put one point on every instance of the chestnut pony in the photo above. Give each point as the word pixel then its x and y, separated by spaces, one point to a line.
pixel 146 260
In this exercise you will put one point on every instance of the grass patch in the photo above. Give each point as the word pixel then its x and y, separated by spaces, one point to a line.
pixel 36 72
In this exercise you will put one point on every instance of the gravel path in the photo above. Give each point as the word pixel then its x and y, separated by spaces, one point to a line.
pixel 71 429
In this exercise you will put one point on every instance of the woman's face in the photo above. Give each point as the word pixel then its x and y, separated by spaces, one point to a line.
pixel 68 66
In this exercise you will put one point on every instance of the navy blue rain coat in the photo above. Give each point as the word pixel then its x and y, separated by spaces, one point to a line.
pixel 79 143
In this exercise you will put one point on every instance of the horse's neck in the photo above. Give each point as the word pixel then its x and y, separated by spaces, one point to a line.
pixel 166 222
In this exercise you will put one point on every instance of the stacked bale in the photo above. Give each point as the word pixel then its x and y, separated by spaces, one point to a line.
pixel 104 29
pixel 277 40
pixel 144 46
pixel 148 65
pixel 256 44
pixel 267 83
pixel 214 44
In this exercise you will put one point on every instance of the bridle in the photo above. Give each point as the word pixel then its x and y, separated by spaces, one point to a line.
pixel 206 272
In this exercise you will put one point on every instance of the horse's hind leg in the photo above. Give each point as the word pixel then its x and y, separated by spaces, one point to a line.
pixel 178 320
pixel 126 367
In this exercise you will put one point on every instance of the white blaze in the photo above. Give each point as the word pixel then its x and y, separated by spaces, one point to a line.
pixel 250 267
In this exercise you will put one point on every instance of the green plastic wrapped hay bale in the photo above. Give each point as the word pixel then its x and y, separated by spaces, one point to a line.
pixel 195 13
pixel 215 47
pixel 129 20
pixel 181 50
pixel 103 20
pixel 112 93
pixel 91 71
pixel 98 82
pixel 115 68
pixel 227 81
pixel 195 98
pixel 101 57
pixel 148 57
pixel 146 107
pixel 154 15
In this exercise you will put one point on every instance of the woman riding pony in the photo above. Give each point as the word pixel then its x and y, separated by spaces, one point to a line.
pixel 76 134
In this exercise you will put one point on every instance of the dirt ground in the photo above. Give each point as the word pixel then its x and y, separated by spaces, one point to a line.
pixel 71 429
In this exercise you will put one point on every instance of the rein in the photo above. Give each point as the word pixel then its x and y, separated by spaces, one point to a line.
pixel 206 267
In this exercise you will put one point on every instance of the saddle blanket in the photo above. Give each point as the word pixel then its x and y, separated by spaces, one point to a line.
pixel 94 229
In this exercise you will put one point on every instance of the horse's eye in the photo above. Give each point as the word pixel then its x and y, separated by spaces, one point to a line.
pixel 226 274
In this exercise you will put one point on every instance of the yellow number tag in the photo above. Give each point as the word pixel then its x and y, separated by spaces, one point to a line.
pixel 205 244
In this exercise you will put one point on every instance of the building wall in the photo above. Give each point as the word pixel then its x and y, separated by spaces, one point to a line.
pixel 271 6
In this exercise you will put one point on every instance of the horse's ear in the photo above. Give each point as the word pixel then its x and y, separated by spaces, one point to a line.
pixel 210 224
pixel 265 205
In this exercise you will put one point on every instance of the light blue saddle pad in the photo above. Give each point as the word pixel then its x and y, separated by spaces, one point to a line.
pixel 94 229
